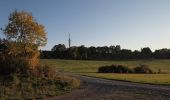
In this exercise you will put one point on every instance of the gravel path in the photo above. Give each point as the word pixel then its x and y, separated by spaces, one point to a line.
pixel 102 89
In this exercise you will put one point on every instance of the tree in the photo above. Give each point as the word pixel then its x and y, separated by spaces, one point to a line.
pixel 91 53
pixel 59 47
pixel 73 52
pixel 136 54
pixel 126 54
pixel 146 52
pixel 162 53
pixel 59 51
pixel 82 52
pixel 24 35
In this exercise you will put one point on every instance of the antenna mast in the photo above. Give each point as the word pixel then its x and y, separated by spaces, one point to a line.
pixel 69 41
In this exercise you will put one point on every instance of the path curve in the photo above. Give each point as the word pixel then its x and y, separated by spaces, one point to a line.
pixel 103 89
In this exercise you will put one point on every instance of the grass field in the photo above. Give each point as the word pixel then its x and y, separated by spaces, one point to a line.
pixel 90 68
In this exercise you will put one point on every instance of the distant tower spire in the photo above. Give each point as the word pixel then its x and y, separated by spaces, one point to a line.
pixel 69 41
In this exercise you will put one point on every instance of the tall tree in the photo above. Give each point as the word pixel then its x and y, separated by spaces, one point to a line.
pixel 22 28
pixel 24 35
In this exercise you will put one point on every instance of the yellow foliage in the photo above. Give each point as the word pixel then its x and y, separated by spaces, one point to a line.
pixel 24 36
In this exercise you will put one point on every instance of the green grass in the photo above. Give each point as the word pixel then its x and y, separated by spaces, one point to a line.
pixel 163 79
pixel 90 68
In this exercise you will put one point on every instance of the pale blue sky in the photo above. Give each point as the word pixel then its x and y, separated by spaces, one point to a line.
pixel 133 24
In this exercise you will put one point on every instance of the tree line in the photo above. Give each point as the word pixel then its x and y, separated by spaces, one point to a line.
pixel 103 53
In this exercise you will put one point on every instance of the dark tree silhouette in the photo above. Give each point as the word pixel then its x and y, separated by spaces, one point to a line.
pixel 146 52
pixel 103 53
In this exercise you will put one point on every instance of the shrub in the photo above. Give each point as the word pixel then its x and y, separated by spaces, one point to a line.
pixel 44 71
pixel 114 69
pixel 38 83
pixel 22 77
pixel 124 69
pixel 66 81
pixel 142 69
pixel 23 66
pixel 30 88
pixel 11 65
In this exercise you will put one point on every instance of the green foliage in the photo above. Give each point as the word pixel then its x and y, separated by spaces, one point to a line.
pixel 124 69
pixel 114 69
pixel 146 52
pixel 103 53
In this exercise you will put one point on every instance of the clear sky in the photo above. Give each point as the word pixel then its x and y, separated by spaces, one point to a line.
pixel 133 24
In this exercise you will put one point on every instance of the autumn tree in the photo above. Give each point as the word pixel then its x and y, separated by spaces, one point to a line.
pixel 24 35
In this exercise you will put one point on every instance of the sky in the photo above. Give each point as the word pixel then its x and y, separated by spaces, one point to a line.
pixel 133 24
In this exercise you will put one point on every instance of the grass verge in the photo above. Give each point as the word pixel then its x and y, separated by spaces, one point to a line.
pixel 13 87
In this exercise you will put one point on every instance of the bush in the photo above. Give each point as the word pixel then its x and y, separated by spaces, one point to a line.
pixel 22 78
pixel 44 71
pixel 69 82
pixel 9 66
pixel 30 88
pixel 37 84
pixel 18 63
pixel 142 69
pixel 124 69
pixel 114 69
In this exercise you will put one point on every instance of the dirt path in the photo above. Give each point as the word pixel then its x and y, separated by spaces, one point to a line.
pixel 102 89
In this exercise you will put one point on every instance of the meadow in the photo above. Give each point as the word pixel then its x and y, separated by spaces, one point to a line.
pixel 90 68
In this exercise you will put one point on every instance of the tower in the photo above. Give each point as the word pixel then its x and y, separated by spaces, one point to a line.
pixel 69 41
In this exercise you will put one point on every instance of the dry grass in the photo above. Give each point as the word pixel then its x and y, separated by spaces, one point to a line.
pixel 16 88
